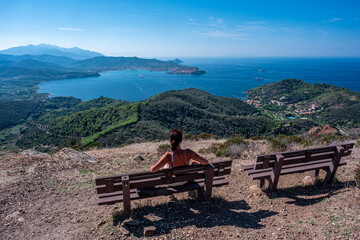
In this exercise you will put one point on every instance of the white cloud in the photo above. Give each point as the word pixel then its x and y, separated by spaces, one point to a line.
pixel 335 19
pixel 223 34
pixel 255 22
pixel 71 29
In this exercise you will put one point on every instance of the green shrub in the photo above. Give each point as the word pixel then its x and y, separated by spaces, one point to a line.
pixel 188 136
pixel 231 141
pixel 77 147
pixel 163 148
pixel 328 139
pixel 278 144
pixel 256 138
pixel 202 136
pixel 93 145
pixel 223 149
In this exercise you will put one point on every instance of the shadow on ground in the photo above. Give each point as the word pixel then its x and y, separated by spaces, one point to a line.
pixel 309 195
pixel 200 214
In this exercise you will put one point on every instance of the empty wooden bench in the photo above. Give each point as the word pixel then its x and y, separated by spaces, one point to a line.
pixel 127 187
pixel 271 166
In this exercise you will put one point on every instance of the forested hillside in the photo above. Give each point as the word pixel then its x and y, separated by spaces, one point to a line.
pixel 109 122
pixel 288 107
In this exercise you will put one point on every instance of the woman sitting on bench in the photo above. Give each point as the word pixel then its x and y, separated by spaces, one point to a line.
pixel 178 157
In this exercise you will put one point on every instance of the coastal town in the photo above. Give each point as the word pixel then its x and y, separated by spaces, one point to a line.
pixel 283 109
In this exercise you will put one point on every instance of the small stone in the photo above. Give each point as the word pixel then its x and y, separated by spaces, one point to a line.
pixel 140 158
pixel 102 222
pixel 21 219
pixel 125 231
pixel 131 222
pixel 308 180
pixel 255 191
pixel 149 231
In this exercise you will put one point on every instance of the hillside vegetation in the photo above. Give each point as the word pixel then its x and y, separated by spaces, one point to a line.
pixel 323 103
pixel 108 122
pixel 288 107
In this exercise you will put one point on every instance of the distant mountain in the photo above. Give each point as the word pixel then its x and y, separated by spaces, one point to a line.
pixel 177 61
pixel 34 64
pixel 75 52
pixel 102 64
pixel 59 60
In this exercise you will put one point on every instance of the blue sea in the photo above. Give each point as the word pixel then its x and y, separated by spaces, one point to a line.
pixel 228 77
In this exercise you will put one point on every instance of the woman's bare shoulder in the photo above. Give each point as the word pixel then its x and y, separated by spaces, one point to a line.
pixel 189 151
pixel 166 155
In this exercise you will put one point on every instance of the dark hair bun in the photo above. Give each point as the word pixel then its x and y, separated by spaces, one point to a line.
pixel 175 137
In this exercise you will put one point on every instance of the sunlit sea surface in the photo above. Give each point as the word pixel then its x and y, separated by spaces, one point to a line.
pixel 228 77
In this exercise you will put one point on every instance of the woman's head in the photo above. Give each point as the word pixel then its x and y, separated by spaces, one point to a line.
pixel 175 137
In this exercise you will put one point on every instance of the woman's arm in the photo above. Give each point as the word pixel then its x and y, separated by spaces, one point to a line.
pixel 166 158
pixel 197 158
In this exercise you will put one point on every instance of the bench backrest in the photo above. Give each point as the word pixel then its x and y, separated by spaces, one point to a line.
pixel 303 156
pixel 164 176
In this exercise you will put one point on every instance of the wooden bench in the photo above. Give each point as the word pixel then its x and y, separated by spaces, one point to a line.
pixel 127 187
pixel 271 166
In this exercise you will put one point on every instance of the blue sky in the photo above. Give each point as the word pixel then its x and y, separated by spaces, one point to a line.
pixel 185 28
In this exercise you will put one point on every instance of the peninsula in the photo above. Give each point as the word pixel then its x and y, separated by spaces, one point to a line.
pixel 23 68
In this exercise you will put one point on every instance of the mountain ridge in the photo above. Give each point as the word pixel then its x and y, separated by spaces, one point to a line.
pixel 41 49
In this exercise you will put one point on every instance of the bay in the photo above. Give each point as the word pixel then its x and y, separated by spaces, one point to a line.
pixel 228 77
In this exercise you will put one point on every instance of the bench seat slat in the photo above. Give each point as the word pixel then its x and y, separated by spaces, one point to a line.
pixel 177 170
pixel 162 191
pixel 150 182
pixel 347 146
pixel 253 171
pixel 300 159
pixel 102 195
pixel 296 169
pixel 287 161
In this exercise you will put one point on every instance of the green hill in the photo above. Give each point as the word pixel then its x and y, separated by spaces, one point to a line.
pixel 322 102
pixel 109 122
pixel 288 107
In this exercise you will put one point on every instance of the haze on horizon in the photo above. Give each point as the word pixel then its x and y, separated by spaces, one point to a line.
pixel 186 28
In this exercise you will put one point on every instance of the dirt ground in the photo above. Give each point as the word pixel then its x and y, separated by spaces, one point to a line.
pixel 53 197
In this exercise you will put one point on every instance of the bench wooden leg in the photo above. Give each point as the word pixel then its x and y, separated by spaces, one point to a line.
pixel 275 175
pixel 315 173
pixel 334 165
pixel 261 183
pixel 209 176
pixel 126 194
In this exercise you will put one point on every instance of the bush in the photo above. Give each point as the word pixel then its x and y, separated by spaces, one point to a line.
pixel 357 144
pixel 93 145
pixel 233 147
pixel 232 141
pixel 328 139
pixel 188 136
pixel 163 148
pixel 278 144
pixel 77 147
pixel 202 136
pixel 214 147
pixel 256 138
